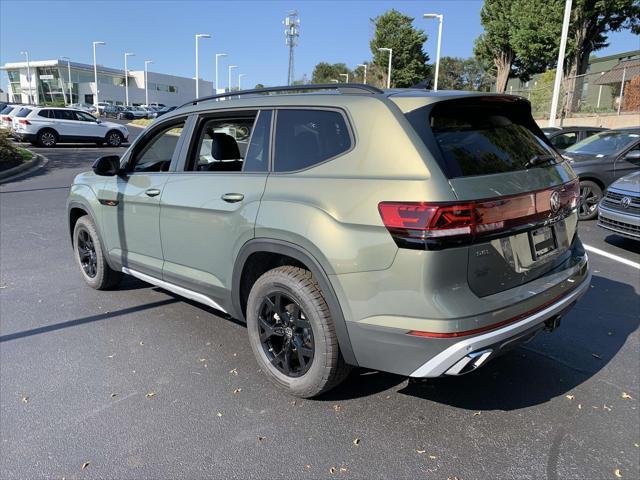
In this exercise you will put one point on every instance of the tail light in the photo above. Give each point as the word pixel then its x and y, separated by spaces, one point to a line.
pixel 24 122
pixel 433 225
pixel 6 118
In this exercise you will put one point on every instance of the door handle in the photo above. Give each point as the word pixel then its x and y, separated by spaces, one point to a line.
pixel 232 197
pixel 152 192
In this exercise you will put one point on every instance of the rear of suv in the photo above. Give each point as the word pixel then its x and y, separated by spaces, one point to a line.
pixel 406 231
pixel 48 126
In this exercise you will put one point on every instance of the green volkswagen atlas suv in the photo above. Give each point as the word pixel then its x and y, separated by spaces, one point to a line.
pixel 414 232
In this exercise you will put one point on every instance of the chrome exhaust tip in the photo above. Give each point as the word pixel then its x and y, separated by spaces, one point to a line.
pixel 470 362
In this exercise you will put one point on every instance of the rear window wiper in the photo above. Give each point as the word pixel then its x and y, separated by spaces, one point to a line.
pixel 539 160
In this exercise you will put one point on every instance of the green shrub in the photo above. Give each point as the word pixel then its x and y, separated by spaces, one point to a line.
pixel 10 155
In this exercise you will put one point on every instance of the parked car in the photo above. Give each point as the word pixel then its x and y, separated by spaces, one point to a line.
pixel 162 111
pixel 7 114
pixel 619 210
pixel 102 106
pixel 138 112
pixel 404 231
pixel 119 112
pixel 47 126
pixel 87 107
pixel 600 160
pixel 148 111
pixel 563 138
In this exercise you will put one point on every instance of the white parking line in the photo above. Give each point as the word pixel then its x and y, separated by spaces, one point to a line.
pixel 597 251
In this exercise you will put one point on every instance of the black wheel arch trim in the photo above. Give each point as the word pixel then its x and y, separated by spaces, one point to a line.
pixel 300 254
pixel 89 211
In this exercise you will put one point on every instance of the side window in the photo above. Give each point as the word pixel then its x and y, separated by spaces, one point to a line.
pixel 222 143
pixel 257 158
pixel 155 153
pixel 85 117
pixel 564 140
pixel 64 114
pixel 45 114
pixel 307 137
pixel 633 155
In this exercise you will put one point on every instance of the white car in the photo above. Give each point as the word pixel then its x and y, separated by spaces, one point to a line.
pixel 46 126
pixel 137 112
pixel 7 114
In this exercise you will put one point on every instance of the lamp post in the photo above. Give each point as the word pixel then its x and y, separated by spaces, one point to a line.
pixel 390 50
pixel 198 37
pixel 95 76
pixel 346 75
pixel 146 84
pixel 440 17
pixel 240 75
pixel 560 64
pixel 26 54
pixel 218 55
pixel 230 68
pixel 126 79
pixel 364 65
pixel 69 83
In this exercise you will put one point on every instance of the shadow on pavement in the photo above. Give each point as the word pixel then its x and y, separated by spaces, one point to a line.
pixel 627 244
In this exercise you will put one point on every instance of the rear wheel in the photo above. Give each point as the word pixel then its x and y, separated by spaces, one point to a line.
pixel 292 334
pixel 590 196
pixel 47 138
pixel 90 257
pixel 114 138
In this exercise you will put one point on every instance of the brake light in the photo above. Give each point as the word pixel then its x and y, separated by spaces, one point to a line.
pixel 24 122
pixel 423 224
pixel 6 118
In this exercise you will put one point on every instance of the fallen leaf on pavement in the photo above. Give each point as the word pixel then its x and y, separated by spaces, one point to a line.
pixel 233 371
pixel 626 396
pixel 432 457
pixel 24 399
pixel 337 408
pixel 141 343
pixel 219 414
pixel 570 397
pixel 237 390
pixel 202 359
pixel 343 469
pixel 356 441
pixel 475 414
pixel 579 406
pixel 113 395
pixel 637 445
pixel 606 407
pixel 421 451
pixel 150 394
pixel 617 473
pixel 260 438
pixel 85 465
pixel 332 470
pixel 109 356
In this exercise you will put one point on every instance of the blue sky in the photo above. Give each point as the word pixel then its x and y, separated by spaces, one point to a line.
pixel 249 31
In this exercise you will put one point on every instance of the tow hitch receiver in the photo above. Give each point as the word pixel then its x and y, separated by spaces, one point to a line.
pixel 552 323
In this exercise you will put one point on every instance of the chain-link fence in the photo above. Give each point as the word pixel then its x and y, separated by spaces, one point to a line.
pixel 615 91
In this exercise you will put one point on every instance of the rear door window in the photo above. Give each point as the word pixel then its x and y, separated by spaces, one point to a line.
pixel 305 138
pixel 45 114
pixel 64 115
pixel 482 136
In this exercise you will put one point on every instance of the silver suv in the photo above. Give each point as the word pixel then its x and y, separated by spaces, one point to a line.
pixel 408 231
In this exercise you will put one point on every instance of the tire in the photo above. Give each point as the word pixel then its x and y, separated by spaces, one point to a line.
pixel 114 138
pixel 313 331
pixel 47 138
pixel 90 258
pixel 590 196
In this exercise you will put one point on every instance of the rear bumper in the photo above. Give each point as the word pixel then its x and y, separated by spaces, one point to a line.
pixel 25 137
pixel 625 224
pixel 467 355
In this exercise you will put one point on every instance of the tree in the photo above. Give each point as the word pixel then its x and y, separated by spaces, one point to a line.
pixel 409 61
pixel 327 72
pixel 463 74
pixel 494 45
pixel 591 20
pixel 259 85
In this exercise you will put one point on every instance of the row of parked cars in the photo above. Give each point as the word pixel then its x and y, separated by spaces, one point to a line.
pixel 135 112
pixel 48 126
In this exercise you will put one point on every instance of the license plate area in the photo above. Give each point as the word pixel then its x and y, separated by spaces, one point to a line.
pixel 543 242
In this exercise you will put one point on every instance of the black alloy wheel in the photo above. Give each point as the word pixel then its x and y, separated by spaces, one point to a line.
pixel 286 334
pixel 87 253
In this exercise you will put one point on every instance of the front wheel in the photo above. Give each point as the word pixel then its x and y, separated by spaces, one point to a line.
pixel 590 196
pixel 114 139
pixel 90 257
pixel 292 334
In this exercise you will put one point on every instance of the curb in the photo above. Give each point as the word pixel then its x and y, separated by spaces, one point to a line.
pixel 38 161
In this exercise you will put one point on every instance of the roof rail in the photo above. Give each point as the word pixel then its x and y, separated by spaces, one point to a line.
pixel 340 87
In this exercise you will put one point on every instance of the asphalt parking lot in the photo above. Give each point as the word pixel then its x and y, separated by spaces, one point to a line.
pixel 139 383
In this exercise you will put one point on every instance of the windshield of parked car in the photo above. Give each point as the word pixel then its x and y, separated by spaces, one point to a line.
pixel 604 143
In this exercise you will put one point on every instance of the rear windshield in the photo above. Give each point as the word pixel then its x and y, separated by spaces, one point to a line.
pixel 7 109
pixel 24 112
pixel 482 137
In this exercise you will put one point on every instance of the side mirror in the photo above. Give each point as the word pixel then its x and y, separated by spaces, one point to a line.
pixel 107 166
pixel 633 155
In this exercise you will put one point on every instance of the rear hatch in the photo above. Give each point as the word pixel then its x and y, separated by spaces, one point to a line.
pixel 516 212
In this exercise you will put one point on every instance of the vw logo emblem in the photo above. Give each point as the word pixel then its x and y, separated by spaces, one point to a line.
pixel 625 202
pixel 554 202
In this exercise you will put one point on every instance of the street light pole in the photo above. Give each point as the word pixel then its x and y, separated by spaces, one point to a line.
pixel 95 76
pixel 199 36
pixel 230 68
pixel 240 75
pixel 146 89
pixel 346 75
pixel 364 65
pixel 560 65
pixel 218 55
pixel 26 54
pixel 390 50
pixel 440 18
pixel 126 79
pixel 69 83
